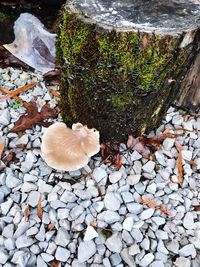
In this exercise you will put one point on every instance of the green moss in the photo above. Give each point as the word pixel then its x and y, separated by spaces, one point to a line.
pixel 122 100
pixel 3 16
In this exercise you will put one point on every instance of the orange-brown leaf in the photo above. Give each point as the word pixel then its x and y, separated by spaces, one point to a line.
pixel 196 208
pixel 2 146
pixel 21 90
pixel 27 213
pixel 55 263
pixel 33 116
pixel 51 226
pixel 39 208
pixel 54 92
pixel 179 163
pixel 93 224
pixel 152 204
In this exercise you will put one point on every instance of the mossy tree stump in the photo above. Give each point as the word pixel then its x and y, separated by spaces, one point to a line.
pixel 120 77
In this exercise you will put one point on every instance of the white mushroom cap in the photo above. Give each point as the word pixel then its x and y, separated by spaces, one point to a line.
pixel 69 149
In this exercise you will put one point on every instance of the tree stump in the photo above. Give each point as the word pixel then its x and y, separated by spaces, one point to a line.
pixel 124 62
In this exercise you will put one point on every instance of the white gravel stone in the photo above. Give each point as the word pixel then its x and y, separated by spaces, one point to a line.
pixel 173 246
pixel 68 197
pixel 146 260
pixel 127 257
pixel 127 197
pixel 100 175
pixel 151 188
pixel 114 177
pixel 62 254
pixel 27 187
pixel 187 154
pixel 24 241
pixel 182 262
pixel 135 155
pixel 90 233
pixel 33 198
pixel 160 234
pixel 146 214
pixel 47 257
pixel 128 224
pixel 4 117
pixel 134 208
pixel 188 221
pixel 12 181
pixel 133 179
pixel 62 238
pixel 44 187
pixel 30 178
pixel 188 250
pixel 160 158
pixel 9 244
pixel 114 243
pixel 86 250
pixel 76 212
pixel 149 166
pixel 168 143
pixel 158 220
pixel 137 235
pixel 4 256
pixel 5 206
pixel 134 249
pixel 157 264
pixel 111 201
pixel 109 216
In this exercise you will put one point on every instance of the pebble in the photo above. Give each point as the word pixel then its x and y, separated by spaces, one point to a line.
pixel 149 166
pixel 100 175
pixel 146 214
pixel 128 224
pixel 146 260
pixel 4 256
pixel 188 221
pixel 68 197
pixel 12 181
pixel 114 243
pixel 33 198
pixel 182 261
pixel 114 177
pixel 5 117
pixel 86 250
pixel 62 254
pixel 23 242
pixel 90 233
pixel 188 250
pixel 111 201
pixel 168 143
pixel 133 179
pixel 62 238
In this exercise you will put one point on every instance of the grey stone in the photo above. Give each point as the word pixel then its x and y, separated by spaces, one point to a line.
pixel 12 181
pixel 115 176
pixel 137 235
pixel 33 198
pixel 114 243
pixel 188 221
pixel 188 250
pixel 9 244
pixel 133 179
pixel 24 241
pixel 5 206
pixel 111 201
pixel 146 260
pixel 47 257
pixel 62 238
pixel 76 212
pixel 127 197
pixel 128 224
pixel 146 214
pixel 4 117
pixel 134 208
pixel 160 234
pixel 115 259
pixel 182 262
pixel 4 256
pixel 100 175
pixel 149 166
pixel 90 233
pixel 127 257
pixel 86 250
pixel 68 197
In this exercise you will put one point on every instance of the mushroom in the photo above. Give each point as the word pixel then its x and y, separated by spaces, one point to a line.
pixel 68 149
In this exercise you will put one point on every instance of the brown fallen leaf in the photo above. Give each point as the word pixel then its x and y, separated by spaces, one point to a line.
pixel 33 117
pixel 39 208
pixel 55 263
pixel 179 163
pixel 2 146
pixel 21 90
pixel 196 208
pixel 152 204
pixel 9 157
pixel 27 213
pixel 54 92
pixel 50 226
pixel 6 91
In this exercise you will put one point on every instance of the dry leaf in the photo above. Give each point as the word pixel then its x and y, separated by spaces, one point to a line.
pixel 51 226
pixel 6 91
pixel 117 161
pixel 152 204
pixel 54 92
pixel 196 208
pixel 2 146
pixel 39 208
pixel 179 163
pixel 26 213
pixel 55 263
pixel 93 224
pixel 33 116
pixel 9 157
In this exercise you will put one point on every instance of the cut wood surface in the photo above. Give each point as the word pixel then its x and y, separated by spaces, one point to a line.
pixel 121 78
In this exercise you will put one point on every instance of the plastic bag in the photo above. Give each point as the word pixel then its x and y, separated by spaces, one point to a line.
pixel 33 45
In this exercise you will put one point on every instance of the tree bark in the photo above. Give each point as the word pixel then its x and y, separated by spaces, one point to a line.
pixel 122 81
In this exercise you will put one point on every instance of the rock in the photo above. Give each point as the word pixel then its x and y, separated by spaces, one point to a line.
pixel 33 198
pixel 157 264
pixel 134 208
pixel 187 154
pixel 4 117
pixel 160 158
pixel 151 188
pixel 41 262
pixel 135 155
pixel 68 197
pixel 24 77
pixel 86 250
pixel 90 233
pixel 145 244
pixel 8 231
pixel 137 235
pixel 12 181
pixel 161 247
pixel 158 220
pixel 149 166
pixel 100 175
pixel 30 178
pixel 173 246
pixel 47 257
pixel 127 197
pixel 98 206
pixel 62 254
pixel 76 212
pixel 62 214
pixel 188 221
pixel 127 257
pixel 146 260
pixel 62 238
pixel 128 224
pixel 111 202
pixel 24 241
pixel 134 249
pixel 160 234
pixel 114 243
pixel 23 226
pixel 182 262
pixel 4 256
pixel 110 216
pixel 188 250
pixel 27 187
pixel 9 244
pixel 133 179
pixel 23 140
pixel 115 176
pixel 146 214
pixel 44 187
pixel 5 206
pixel 168 143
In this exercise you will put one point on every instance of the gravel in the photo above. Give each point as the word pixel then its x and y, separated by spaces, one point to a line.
pixel 94 216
